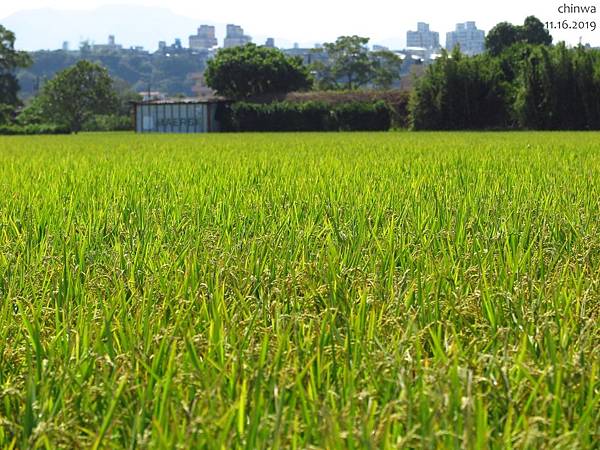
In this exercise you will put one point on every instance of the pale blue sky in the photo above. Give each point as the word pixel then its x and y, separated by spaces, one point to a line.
pixel 320 20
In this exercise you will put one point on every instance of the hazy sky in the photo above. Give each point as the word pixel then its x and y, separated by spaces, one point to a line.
pixel 310 20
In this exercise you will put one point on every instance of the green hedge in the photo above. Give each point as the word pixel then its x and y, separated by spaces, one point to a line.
pixel 307 116
pixel 363 117
pixel 33 129
pixel 109 122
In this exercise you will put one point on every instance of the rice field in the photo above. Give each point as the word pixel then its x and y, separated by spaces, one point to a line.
pixel 392 290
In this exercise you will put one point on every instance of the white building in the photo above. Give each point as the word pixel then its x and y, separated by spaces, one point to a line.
pixel 204 39
pixel 235 37
pixel 470 39
pixel 423 37
pixel 110 46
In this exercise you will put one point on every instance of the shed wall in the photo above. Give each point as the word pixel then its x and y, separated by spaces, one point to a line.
pixel 175 118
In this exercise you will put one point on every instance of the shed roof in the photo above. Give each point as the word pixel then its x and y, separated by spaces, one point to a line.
pixel 184 101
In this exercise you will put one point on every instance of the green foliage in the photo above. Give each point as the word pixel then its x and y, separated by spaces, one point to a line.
pixel 118 119
pixel 309 291
pixel 534 32
pixel 501 37
pixel 535 87
pixel 32 129
pixel 249 70
pixel 396 101
pixel 505 35
pixel 7 114
pixel 126 96
pixel 363 117
pixel 349 66
pixel 109 122
pixel 276 116
pixel 77 94
pixel 460 93
pixel 10 60
pixel 306 116
pixel 560 89
pixel 32 114
pixel 168 73
pixel 386 69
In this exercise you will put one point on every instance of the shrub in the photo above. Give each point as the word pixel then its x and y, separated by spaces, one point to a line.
pixel 7 114
pixel 33 129
pixel 397 101
pixel 108 122
pixel 307 116
pixel 363 117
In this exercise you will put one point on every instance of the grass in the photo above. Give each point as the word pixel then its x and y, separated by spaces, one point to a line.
pixel 385 290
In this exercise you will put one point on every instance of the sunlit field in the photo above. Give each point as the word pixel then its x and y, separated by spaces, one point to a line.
pixel 391 290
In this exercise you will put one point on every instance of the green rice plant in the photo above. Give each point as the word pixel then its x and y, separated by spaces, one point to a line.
pixel 349 290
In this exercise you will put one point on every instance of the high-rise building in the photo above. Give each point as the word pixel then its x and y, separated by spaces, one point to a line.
pixel 470 39
pixel 235 36
pixel 110 46
pixel 173 49
pixel 380 48
pixel 205 39
pixel 423 37
pixel 270 43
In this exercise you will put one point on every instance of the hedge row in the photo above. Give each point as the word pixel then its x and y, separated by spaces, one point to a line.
pixel 14 130
pixel 109 122
pixel 307 116
pixel 396 100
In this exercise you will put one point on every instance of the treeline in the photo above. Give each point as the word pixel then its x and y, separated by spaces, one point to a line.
pixel 167 73
pixel 82 97
pixel 535 87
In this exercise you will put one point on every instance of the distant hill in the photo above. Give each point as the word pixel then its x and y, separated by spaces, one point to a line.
pixel 132 26
pixel 169 74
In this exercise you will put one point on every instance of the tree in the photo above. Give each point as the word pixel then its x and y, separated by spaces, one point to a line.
pixel 125 96
pixel 559 89
pixel 501 37
pixel 249 70
pixel 349 64
pixel 10 60
pixel 386 68
pixel 534 32
pixel 459 93
pixel 505 35
pixel 78 93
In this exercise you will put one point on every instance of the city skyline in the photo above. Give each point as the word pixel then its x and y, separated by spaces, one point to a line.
pixel 470 39
pixel 373 21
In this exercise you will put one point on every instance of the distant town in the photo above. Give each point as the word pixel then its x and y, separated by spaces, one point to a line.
pixel 423 42
pixel 176 68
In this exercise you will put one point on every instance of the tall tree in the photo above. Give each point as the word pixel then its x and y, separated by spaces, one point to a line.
pixel 249 70
pixel 386 68
pixel 501 37
pixel 349 65
pixel 534 32
pixel 459 93
pixel 78 93
pixel 505 35
pixel 10 60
